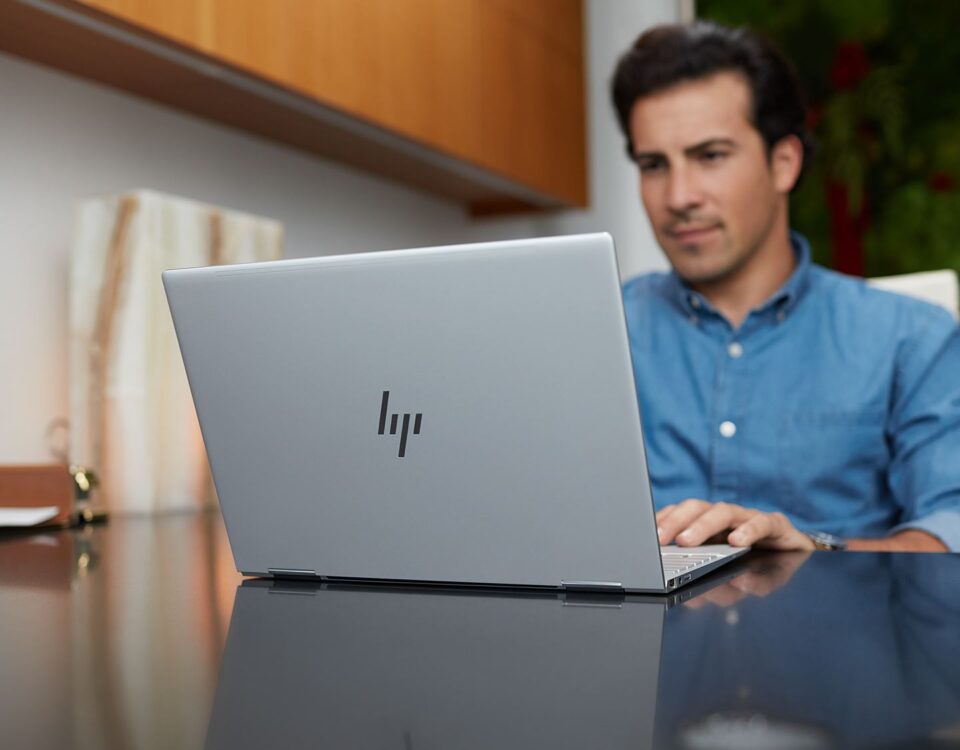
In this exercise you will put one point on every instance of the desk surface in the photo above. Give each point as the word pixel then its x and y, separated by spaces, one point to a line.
pixel 140 635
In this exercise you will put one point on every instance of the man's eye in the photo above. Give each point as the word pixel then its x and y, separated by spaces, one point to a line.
pixel 712 156
pixel 650 166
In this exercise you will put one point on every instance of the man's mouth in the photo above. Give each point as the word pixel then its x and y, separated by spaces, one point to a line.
pixel 687 234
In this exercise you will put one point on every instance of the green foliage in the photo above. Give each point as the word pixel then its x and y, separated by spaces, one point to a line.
pixel 861 128
pixel 919 230
pixel 890 136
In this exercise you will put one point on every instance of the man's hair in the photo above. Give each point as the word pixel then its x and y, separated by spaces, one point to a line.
pixel 665 56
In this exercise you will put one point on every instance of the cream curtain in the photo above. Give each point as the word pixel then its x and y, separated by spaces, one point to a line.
pixel 131 414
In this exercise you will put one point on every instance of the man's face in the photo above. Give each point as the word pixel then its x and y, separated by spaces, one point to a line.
pixel 706 179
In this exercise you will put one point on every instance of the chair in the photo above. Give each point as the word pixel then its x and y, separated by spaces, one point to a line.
pixel 939 287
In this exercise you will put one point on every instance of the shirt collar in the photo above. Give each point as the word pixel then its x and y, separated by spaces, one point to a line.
pixel 783 300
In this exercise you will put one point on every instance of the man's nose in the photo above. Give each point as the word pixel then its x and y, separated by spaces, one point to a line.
pixel 683 192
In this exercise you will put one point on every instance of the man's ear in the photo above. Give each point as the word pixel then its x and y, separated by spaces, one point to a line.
pixel 786 160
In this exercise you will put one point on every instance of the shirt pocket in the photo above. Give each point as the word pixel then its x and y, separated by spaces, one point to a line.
pixel 832 462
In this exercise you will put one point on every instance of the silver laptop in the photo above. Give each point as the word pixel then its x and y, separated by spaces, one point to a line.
pixel 456 415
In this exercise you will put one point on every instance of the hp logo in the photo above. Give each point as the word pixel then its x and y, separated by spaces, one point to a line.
pixel 404 427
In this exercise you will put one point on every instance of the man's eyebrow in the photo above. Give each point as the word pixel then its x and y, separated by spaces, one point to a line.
pixel 696 148
pixel 710 143
pixel 638 155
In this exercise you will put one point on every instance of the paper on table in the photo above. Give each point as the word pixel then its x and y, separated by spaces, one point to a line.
pixel 26 516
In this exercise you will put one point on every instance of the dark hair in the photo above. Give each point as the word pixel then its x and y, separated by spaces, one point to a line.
pixel 667 55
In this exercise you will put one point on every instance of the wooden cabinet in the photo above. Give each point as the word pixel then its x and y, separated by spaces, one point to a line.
pixel 493 86
pixel 532 94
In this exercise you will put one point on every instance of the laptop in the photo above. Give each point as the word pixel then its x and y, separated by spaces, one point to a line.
pixel 461 415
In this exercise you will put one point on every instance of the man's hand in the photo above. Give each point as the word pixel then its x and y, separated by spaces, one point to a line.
pixel 694 522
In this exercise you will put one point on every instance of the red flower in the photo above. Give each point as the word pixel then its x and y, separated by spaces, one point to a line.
pixel 942 182
pixel 850 65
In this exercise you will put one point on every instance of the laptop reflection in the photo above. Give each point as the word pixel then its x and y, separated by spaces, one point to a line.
pixel 363 667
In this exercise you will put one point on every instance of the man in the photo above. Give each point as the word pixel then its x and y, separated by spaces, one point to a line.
pixel 784 405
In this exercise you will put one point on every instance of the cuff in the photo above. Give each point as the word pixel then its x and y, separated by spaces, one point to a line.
pixel 943 524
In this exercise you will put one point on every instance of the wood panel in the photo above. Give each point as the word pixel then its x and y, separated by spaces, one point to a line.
pixel 494 84
pixel 559 21
pixel 212 92
pixel 532 94
pixel 184 21
pixel 408 66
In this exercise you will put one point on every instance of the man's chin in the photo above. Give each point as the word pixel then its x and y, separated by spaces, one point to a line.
pixel 704 267
pixel 703 276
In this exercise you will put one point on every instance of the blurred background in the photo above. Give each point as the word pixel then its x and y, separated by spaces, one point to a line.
pixel 359 125
pixel 881 77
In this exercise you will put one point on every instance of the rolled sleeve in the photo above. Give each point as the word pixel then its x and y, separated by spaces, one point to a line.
pixel 943 524
pixel 924 473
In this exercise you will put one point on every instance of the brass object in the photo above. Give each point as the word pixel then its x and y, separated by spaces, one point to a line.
pixel 85 482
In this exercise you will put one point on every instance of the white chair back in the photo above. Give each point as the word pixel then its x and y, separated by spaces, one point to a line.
pixel 939 287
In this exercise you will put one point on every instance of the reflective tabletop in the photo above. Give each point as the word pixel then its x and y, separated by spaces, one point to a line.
pixel 140 634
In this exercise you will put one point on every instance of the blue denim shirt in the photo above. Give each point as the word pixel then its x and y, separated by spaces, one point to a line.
pixel 835 403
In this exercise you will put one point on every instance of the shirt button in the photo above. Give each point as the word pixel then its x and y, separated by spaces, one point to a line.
pixel 735 350
pixel 695 303
pixel 728 429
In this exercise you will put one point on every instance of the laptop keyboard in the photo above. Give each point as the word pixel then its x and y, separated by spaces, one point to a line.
pixel 676 563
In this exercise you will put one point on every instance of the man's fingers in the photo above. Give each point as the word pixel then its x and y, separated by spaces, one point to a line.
pixel 679 518
pixel 771 530
pixel 751 531
pixel 665 511
pixel 716 519
pixel 695 522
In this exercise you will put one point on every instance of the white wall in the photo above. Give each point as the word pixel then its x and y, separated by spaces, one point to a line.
pixel 63 139
pixel 612 26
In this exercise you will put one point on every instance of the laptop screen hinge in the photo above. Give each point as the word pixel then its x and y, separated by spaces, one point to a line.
pixel 292 573
pixel 611 587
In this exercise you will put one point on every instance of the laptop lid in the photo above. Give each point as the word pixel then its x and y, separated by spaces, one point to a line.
pixel 462 414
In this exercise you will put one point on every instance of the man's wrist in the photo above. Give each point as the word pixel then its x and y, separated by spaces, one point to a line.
pixel 823 541
pixel 909 540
